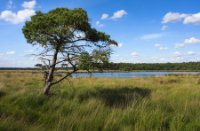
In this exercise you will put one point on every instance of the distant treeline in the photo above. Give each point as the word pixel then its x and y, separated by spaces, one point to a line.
pixel 190 66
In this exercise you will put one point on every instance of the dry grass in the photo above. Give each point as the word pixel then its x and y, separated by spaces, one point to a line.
pixel 153 103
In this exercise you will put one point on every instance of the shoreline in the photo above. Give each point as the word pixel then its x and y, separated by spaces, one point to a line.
pixel 105 71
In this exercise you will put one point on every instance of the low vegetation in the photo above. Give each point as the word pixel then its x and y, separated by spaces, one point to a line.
pixel 153 103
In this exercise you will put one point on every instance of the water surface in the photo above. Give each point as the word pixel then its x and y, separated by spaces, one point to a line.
pixel 128 74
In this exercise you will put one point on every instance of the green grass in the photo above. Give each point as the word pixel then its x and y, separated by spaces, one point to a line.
pixel 95 104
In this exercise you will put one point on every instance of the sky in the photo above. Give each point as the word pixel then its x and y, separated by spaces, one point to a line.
pixel 148 31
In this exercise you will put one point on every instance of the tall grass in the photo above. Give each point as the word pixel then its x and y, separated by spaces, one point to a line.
pixel 94 104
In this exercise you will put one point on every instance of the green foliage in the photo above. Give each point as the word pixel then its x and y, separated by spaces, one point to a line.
pixel 92 104
pixel 189 66
pixel 85 61
pixel 101 56
pixel 96 60
pixel 59 27
pixel 38 65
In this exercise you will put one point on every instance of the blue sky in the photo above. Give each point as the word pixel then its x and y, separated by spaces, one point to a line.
pixel 148 31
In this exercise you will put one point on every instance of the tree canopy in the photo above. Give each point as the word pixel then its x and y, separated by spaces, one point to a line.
pixel 63 27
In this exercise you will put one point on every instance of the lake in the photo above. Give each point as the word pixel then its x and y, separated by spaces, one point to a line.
pixel 128 74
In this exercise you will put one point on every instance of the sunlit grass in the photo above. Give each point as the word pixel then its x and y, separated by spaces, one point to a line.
pixel 153 103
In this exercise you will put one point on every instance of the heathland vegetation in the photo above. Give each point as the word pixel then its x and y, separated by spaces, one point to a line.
pixel 153 103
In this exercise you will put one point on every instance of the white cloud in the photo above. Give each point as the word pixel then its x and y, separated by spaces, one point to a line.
pixel 19 16
pixel 160 47
pixel 28 52
pixel 29 4
pixel 188 41
pixel 185 18
pixel 179 45
pixel 173 17
pixel 135 54
pixel 162 59
pixel 7 53
pixel 164 27
pixel 104 16
pixel 163 48
pixel 177 54
pixel 151 36
pixel 192 40
pixel 120 44
pixel 192 19
pixel 191 53
pixel 10 53
pixel 174 58
pixel 157 45
pixel 98 23
pixel 119 14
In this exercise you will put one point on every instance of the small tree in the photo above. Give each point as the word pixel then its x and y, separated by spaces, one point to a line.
pixel 38 66
pixel 85 61
pixel 64 34
pixel 64 65
pixel 98 59
pixel 101 58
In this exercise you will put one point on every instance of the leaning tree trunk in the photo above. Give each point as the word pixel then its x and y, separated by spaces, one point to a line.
pixel 49 79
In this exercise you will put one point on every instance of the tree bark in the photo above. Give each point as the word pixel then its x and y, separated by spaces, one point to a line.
pixel 47 88
pixel 49 79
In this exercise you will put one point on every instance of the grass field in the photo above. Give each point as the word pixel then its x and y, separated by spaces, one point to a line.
pixel 95 104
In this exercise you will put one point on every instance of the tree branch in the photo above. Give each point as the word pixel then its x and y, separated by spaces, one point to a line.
pixel 64 77
pixel 69 73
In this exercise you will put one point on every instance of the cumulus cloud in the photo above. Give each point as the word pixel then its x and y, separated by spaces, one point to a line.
pixel 176 57
pixel 173 17
pixel 188 41
pixel 191 53
pixel 116 15
pixel 160 47
pixel 104 16
pixel 163 48
pixel 179 45
pixel 157 45
pixel 19 16
pixel 99 24
pixel 162 59
pixel 135 54
pixel 185 18
pixel 28 52
pixel 29 4
pixel 120 44
pixel 192 19
pixel 177 54
pixel 119 14
pixel 10 53
pixel 183 57
pixel 151 36
pixel 164 27
pixel 192 40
